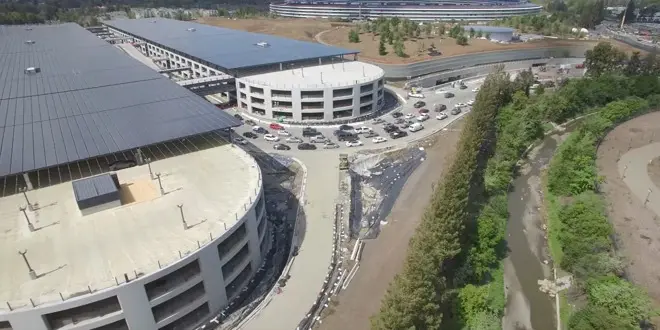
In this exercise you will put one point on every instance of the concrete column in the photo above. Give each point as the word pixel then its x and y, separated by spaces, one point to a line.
pixel 356 100
pixel 135 304
pixel 253 239
pixel 214 284
pixel 28 320
pixel 328 106
pixel 296 104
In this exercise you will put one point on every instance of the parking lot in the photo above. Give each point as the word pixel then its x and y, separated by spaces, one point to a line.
pixel 371 133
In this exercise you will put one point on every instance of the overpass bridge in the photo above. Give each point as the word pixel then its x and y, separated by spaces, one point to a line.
pixel 209 85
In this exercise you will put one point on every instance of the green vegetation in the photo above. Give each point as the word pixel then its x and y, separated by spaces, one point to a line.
pixel 353 36
pixel 452 277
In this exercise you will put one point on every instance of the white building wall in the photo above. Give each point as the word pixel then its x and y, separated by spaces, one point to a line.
pixel 135 305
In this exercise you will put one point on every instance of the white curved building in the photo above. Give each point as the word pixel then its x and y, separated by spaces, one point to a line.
pixel 416 10
pixel 143 265
pixel 316 93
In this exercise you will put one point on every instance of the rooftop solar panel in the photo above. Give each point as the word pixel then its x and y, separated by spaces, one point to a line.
pixel 226 48
pixel 89 99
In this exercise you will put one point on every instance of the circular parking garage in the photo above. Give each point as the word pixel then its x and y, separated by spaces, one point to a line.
pixel 323 93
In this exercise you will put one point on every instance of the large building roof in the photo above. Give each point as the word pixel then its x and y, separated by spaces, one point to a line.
pixel 89 99
pixel 226 48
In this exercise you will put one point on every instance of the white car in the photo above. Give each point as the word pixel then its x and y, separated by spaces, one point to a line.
pixel 470 102
pixel 271 138
pixel 441 116
pixel 409 116
pixel 240 140
pixel 294 139
pixel 379 139
pixel 330 145
pixel 283 133
pixel 460 104
pixel 422 117
pixel 256 128
pixel 415 127
pixel 475 90
pixel 318 139
pixel 354 143
pixel 363 130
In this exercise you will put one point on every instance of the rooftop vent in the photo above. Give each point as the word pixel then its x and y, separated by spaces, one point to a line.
pixel 263 44
pixel 32 70
pixel 192 29
pixel 29 42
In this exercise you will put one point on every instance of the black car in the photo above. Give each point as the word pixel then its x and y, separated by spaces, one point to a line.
pixel 440 108
pixel 306 146
pixel 250 122
pixel 346 136
pixel 462 87
pixel 390 128
pixel 399 121
pixel 250 135
pixel 419 104
pixel 281 146
pixel 449 95
pixel 239 117
pixel 346 127
pixel 122 164
pixel 398 134
pixel 397 114
pixel 455 111
pixel 308 131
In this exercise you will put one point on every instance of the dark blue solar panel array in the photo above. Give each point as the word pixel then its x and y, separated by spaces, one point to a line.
pixel 226 48
pixel 90 99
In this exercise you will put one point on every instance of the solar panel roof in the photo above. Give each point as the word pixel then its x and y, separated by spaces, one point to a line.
pixel 226 48
pixel 89 99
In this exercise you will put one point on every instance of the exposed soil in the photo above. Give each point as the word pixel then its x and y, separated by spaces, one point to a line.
pixel 383 257
pixel 637 228
pixel 301 29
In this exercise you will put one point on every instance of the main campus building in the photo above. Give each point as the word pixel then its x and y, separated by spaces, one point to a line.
pixel 416 10
pixel 124 204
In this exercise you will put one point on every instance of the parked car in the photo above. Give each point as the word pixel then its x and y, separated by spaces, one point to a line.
pixel 419 104
pixel 250 135
pixel 379 139
pixel 281 146
pixel 439 107
pixel 470 102
pixel 396 114
pixel 259 129
pixel 405 124
pixel 476 90
pixel 122 164
pixel 409 116
pixel 354 143
pixel 462 86
pixel 294 139
pixel 370 135
pixel 441 116
pixel 424 110
pixel 422 117
pixel 318 139
pixel 283 133
pixel 271 138
pixel 347 136
pixel 250 122
pixel 363 130
pixel 237 116
pixel 240 140
pixel 455 111
pixel 276 126
pixel 306 146
pixel 377 121
pixel 397 135
pixel 399 121
pixel 308 131
pixel 449 95
pixel 346 127
pixel 330 145
pixel 416 127
pixel 390 128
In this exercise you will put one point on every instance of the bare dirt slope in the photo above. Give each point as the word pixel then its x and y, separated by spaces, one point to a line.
pixel 637 228
pixel 301 29
pixel 383 258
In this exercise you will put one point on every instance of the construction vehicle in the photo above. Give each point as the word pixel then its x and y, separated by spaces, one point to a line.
pixel 343 161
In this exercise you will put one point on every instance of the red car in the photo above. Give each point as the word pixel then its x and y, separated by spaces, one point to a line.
pixel 276 126
pixel 421 111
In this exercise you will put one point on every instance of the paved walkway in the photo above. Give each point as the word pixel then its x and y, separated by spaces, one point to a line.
pixel 633 168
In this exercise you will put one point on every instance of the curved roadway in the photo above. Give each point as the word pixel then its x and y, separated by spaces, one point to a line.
pixel 637 175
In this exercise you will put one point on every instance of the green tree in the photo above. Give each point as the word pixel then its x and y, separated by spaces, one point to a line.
pixel 462 40
pixel 353 36
pixel 381 47
pixel 634 66
pixel 604 58
pixel 441 29
pixel 597 318
pixel 428 29
pixel 399 48
pixel 472 32
pixel 621 298
pixel 487 35
pixel 480 33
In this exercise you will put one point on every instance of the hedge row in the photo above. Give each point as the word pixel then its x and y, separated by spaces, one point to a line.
pixel 580 232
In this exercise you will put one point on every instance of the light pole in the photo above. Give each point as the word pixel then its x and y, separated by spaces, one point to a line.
pixel 30 226
pixel 33 274
pixel 24 191
pixel 183 218
pixel 151 174
pixel 160 184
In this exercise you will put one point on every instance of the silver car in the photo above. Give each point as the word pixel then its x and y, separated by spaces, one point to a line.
pixel 330 145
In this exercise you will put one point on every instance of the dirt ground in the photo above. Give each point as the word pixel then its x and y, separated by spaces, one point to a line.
pixel 301 29
pixel 636 227
pixel 383 258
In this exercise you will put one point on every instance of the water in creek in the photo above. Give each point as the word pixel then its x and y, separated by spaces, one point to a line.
pixel 527 307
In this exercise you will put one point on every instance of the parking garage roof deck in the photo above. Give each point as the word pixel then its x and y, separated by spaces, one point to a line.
pixel 229 49
pixel 70 252
pixel 86 98
pixel 337 75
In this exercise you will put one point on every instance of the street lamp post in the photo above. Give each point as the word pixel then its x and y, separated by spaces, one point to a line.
pixel 183 218
pixel 30 225
pixel 24 191
pixel 151 174
pixel 160 184
pixel 33 274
